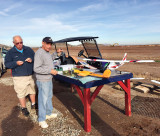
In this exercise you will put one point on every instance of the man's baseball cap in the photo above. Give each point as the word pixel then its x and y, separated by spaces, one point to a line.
pixel 47 40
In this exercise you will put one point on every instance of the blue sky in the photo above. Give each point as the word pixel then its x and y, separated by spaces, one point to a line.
pixel 113 21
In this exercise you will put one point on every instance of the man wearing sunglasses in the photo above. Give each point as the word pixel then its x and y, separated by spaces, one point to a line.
pixel 20 60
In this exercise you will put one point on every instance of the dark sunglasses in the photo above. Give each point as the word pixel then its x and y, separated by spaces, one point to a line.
pixel 19 43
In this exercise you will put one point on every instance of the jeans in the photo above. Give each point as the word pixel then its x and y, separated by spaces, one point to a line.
pixel 45 95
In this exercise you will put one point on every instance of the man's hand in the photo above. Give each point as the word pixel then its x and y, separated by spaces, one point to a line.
pixel 20 63
pixel 28 60
pixel 53 72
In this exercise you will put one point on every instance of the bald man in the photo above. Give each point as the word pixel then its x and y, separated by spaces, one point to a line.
pixel 20 60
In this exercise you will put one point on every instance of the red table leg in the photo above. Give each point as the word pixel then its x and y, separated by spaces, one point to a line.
pixel 79 91
pixel 126 87
pixel 97 90
pixel 87 101
pixel 87 110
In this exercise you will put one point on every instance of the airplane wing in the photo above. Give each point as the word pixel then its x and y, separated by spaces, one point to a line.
pixel 101 60
pixel 87 65
pixel 141 61
pixel 106 73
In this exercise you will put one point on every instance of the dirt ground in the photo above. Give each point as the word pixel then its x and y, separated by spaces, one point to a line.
pixel 107 111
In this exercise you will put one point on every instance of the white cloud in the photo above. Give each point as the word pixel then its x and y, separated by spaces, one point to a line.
pixel 51 0
pixel 59 0
pixel 105 17
pixel 94 7
pixel 3 13
pixel 38 26
pixel 11 7
pixel 50 24
pixel 24 12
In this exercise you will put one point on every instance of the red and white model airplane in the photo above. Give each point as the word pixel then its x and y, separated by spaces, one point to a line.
pixel 112 64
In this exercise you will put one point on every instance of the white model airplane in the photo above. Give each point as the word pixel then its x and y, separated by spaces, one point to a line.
pixel 112 64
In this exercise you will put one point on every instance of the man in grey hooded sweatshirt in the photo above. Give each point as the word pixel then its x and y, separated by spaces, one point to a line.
pixel 44 71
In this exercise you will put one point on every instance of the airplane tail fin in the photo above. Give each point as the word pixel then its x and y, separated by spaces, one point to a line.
pixel 124 59
pixel 114 65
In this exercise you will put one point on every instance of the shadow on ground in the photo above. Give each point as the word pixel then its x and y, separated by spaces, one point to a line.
pixel 12 124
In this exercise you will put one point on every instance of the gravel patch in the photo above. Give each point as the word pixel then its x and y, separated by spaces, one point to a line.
pixel 8 81
pixel 60 126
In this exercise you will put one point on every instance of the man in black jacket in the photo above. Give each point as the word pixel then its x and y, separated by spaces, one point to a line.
pixel 20 60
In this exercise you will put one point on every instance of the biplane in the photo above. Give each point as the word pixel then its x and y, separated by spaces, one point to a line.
pixel 92 58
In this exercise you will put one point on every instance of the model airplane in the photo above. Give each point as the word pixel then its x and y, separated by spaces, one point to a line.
pixel 106 73
pixel 113 64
